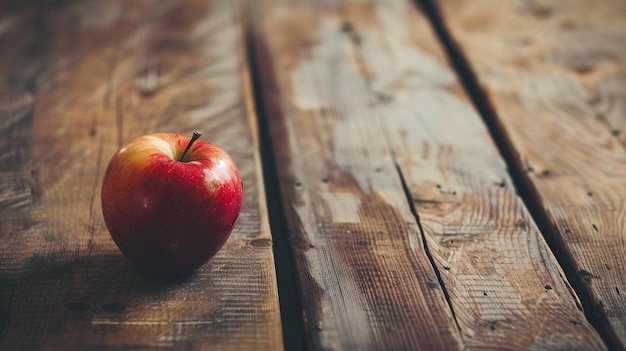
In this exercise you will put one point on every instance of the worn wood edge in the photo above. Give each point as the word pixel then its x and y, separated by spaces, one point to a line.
pixel 292 315
pixel 251 112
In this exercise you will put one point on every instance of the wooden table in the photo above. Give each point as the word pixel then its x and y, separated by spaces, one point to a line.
pixel 441 175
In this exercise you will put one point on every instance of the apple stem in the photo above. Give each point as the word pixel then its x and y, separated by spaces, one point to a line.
pixel 196 135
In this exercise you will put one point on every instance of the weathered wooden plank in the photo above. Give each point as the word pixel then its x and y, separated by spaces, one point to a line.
pixel 505 286
pixel 554 73
pixel 79 79
pixel 366 282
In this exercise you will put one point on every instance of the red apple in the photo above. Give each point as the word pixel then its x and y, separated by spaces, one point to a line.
pixel 170 202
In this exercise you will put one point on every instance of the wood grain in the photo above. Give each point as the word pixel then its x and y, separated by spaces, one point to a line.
pixel 554 72
pixel 353 91
pixel 79 79
pixel 366 282
pixel 505 286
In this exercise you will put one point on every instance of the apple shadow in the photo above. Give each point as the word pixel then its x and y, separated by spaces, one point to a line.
pixel 61 296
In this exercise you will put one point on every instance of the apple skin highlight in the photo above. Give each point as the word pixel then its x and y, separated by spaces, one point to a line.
pixel 170 216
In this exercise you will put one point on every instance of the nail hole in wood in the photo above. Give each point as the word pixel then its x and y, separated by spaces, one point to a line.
pixel 432 285
pixel 583 69
pixel 540 11
pixel 261 242
pixel 347 27
pixel 384 97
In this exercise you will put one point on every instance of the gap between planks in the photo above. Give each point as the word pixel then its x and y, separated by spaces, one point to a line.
pixel 291 311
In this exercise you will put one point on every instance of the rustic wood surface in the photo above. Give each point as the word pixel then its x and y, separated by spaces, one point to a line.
pixel 359 99
pixel 79 79
pixel 396 222
pixel 506 289
pixel 554 73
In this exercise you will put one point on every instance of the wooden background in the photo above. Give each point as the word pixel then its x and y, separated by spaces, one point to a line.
pixel 419 175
